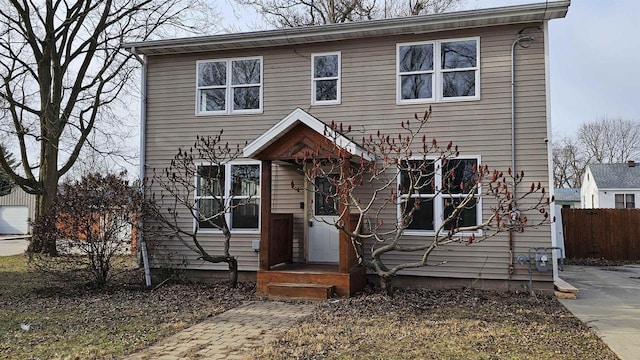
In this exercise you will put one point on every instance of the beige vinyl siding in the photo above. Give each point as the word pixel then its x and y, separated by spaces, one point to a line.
pixel 369 102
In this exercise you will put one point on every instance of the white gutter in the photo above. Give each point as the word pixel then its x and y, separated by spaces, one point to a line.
pixel 143 121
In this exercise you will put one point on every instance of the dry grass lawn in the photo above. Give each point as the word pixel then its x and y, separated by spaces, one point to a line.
pixel 75 323
pixel 445 324
pixel 71 323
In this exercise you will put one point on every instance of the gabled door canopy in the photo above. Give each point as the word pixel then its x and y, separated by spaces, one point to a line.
pixel 297 132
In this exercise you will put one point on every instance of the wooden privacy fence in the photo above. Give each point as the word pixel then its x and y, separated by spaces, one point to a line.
pixel 612 234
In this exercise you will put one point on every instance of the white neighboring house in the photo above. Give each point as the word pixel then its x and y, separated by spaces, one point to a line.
pixel 567 197
pixel 16 210
pixel 608 186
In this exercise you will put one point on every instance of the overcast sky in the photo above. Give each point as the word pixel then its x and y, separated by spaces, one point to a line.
pixel 594 53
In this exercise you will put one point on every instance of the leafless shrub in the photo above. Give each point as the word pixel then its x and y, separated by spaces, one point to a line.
pixel 174 213
pixel 93 221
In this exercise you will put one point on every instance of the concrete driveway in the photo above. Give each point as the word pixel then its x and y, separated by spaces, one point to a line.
pixel 13 244
pixel 609 302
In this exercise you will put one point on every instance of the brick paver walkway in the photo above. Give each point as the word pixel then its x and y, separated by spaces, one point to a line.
pixel 230 335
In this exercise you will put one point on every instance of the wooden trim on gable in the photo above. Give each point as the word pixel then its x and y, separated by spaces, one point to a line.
pixel 299 141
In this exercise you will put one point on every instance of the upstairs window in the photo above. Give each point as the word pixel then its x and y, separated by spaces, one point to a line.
pixel 229 86
pixel 416 71
pixel 438 188
pixel 325 78
pixel 437 71
pixel 237 186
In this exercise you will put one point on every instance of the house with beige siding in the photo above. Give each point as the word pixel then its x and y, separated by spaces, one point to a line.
pixel 484 73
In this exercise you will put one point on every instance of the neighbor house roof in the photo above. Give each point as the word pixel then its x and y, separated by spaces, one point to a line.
pixel 616 176
pixel 530 13
pixel 567 194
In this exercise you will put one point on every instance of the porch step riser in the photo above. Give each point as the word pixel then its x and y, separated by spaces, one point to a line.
pixel 300 291
pixel 344 284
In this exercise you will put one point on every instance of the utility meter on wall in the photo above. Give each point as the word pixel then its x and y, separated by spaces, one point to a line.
pixel 542 262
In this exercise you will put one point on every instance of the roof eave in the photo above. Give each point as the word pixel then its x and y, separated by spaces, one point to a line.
pixel 334 32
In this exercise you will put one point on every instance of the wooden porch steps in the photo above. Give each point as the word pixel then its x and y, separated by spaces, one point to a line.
pixel 300 290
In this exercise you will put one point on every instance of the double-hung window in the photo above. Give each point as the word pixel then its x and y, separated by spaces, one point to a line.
pixel 325 78
pixel 417 187
pixel 625 201
pixel 458 176
pixel 433 188
pixel 229 86
pixel 237 187
pixel 442 70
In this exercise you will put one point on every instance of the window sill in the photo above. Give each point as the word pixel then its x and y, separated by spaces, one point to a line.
pixel 323 103
pixel 224 113
pixel 433 233
pixel 433 101
pixel 233 232
pixel 460 99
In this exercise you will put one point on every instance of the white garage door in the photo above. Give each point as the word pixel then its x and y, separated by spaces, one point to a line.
pixel 13 220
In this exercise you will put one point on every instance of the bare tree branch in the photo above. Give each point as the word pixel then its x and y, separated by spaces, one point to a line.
pixel 407 172
pixel 61 68
pixel 610 140
pixel 195 176
pixel 605 140
pixel 293 13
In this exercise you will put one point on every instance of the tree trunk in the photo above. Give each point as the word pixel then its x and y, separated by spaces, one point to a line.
pixel 233 271
pixel 49 180
pixel 385 285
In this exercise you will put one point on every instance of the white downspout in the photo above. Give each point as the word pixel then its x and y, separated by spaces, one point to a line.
pixel 519 38
pixel 143 121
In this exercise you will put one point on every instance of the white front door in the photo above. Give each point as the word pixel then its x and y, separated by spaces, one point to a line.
pixel 323 236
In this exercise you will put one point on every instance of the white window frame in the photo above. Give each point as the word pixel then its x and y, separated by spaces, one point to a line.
pixel 399 75
pixel 338 99
pixel 439 197
pixel 228 198
pixel 229 87
pixel 437 88
pixel 624 200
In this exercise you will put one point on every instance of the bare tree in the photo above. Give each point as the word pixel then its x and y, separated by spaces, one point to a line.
pixel 407 173
pixel 6 182
pixel 93 220
pixel 419 7
pixel 293 13
pixel 610 140
pixel 569 163
pixel 93 160
pixel 61 68
pixel 192 188
pixel 605 140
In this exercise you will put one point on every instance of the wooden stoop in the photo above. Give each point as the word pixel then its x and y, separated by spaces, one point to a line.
pixel 300 290
pixel 564 290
